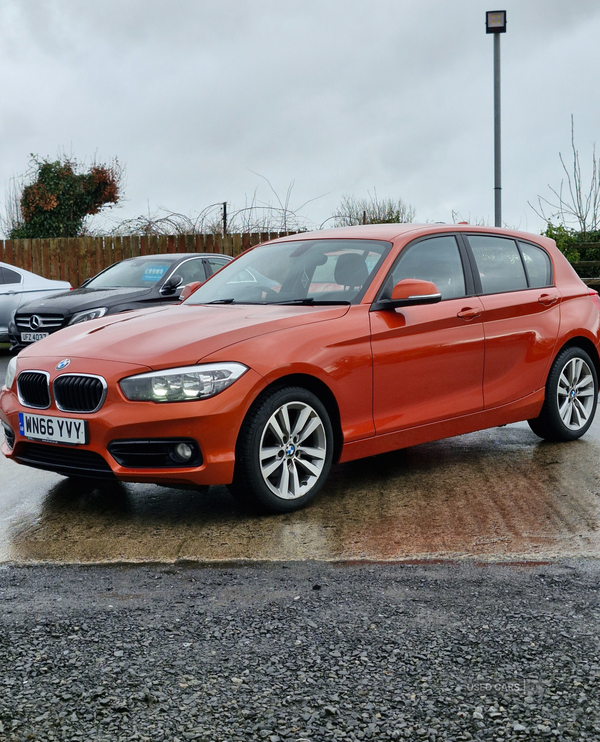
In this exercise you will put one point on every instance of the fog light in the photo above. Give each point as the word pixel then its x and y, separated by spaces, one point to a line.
pixel 182 452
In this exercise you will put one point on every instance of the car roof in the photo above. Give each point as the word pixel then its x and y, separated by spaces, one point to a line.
pixel 173 256
pixel 391 232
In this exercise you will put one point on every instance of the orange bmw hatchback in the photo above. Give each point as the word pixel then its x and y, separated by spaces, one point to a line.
pixel 313 349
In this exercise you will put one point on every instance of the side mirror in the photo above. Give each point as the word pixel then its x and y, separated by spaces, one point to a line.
pixel 189 289
pixel 171 285
pixel 410 292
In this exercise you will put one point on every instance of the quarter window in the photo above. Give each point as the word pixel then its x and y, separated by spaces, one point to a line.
pixel 216 264
pixel 436 259
pixel 8 276
pixel 499 264
pixel 537 264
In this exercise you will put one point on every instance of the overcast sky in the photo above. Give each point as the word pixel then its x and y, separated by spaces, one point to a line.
pixel 199 98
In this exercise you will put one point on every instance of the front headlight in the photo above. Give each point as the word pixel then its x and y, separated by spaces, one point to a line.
pixel 11 372
pixel 88 314
pixel 182 384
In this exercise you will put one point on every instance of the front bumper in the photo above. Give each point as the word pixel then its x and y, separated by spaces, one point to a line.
pixel 212 423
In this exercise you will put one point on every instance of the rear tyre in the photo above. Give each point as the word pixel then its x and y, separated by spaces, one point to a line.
pixel 571 397
pixel 284 451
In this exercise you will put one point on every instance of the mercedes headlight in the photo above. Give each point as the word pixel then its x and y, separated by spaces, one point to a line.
pixel 11 372
pixel 88 314
pixel 181 384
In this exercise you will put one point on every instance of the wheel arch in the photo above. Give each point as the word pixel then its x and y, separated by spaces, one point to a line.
pixel 320 390
pixel 585 344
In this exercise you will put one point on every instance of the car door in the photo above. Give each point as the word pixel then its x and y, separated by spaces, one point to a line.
pixel 521 315
pixel 428 359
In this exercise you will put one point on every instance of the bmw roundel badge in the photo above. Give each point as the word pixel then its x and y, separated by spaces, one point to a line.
pixel 63 364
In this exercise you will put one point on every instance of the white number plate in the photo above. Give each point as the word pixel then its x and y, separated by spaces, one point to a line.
pixel 32 337
pixel 52 429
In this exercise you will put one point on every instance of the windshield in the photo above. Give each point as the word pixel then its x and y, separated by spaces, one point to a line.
pixel 137 273
pixel 299 272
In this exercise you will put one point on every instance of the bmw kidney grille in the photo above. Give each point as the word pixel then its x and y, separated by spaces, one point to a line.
pixel 72 392
pixel 79 392
pixel 33 389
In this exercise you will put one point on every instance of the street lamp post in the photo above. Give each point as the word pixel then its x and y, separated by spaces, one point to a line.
pixel 495 23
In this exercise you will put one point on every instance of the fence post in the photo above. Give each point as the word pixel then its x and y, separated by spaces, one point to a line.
pixel 54 259
pixel 27 255
pixel 218 243
pixel 71 264
pixel 117 250
pixel 36 261
pixel 44 258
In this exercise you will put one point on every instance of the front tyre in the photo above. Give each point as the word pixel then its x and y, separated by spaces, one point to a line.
pixel 571 397
pixel 284 451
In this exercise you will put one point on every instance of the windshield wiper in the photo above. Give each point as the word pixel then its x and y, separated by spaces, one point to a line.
pixel 310 302
pixel 222 301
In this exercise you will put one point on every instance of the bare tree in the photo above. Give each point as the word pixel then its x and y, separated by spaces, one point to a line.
pixel 573 205
pixel 165 222
pixel 12 217
pixel 478 221
pixel 371 210
pixel 220 217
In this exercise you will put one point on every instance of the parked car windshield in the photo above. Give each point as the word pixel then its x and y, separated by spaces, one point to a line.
pixel 298 272
pixel 137 273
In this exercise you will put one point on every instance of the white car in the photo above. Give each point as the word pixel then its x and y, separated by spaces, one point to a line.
pixel 18 286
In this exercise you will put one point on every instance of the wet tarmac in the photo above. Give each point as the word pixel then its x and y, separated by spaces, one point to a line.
pixel 501 494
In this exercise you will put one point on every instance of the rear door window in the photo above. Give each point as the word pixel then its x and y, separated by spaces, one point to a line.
pixel 498 263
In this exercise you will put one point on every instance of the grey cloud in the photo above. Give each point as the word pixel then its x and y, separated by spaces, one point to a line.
pixel 339 95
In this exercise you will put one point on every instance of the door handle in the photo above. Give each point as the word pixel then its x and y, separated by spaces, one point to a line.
pixel 548 299
pixel 468 313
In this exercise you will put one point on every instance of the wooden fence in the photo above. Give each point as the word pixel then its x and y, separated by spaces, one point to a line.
pixel 79 258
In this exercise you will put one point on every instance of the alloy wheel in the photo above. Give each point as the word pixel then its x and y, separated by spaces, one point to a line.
pixel 293 450
pixel 575 394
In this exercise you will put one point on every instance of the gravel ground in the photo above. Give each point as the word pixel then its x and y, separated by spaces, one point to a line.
pixel 300 651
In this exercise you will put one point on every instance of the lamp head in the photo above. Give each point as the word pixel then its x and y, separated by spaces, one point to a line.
pixel 495 21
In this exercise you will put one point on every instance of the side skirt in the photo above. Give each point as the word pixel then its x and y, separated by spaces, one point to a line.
pixel 524 409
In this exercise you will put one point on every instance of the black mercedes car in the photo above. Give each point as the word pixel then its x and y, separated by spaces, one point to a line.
pixel 134 283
